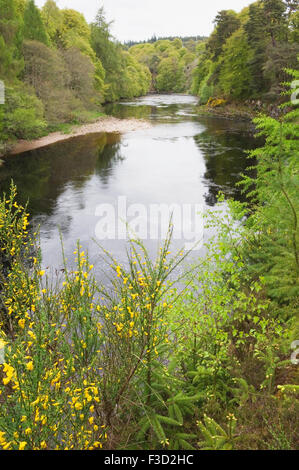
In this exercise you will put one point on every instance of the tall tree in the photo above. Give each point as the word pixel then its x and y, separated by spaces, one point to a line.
pixel 53 21
pixel 275 15
pixel 258 41
pixel 235 76
pixel 8 23
pixel 33 25
pixel 227 22
pixel 11 62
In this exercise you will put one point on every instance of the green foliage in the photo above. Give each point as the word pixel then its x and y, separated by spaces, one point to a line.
pixel 235 75
pixel 124 76
pixel 170 76
pixel 70 67
pixel 204 364
pixel 22 115
pixel 145 360
pixel 170 63
pixel 34 29
pixel 53 21
pixel 10 41
pixel 227 22
pixel 215 437
pixel 249 53
pixel 276 190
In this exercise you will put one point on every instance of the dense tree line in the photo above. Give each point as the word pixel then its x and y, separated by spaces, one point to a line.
pixel 57 68
pixel 171 63
pixel 247 53
pixel 154 38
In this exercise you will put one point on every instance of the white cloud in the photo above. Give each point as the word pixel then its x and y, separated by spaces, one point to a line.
pixel 140 19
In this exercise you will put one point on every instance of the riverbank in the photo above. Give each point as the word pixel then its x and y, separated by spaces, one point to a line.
pixel 229 111
pixel 242 111
pixel 104 124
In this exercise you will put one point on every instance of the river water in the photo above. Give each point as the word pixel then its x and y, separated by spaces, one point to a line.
pixel 182 159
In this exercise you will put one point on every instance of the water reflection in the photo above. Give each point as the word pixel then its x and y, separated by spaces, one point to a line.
pixel 41 175
pixel 225 150
pixel 181 159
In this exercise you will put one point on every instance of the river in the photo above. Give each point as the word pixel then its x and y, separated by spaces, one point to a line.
pixel 182 159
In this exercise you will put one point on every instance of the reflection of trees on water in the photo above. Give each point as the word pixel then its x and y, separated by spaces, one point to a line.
pixel 168 112
pixel 123 111
pixel 223 146
pixel 42 175
pixel 109 158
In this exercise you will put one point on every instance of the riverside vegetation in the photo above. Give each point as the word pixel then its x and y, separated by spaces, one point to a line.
pixel 58 70
pixel 203 363
pixel 149 364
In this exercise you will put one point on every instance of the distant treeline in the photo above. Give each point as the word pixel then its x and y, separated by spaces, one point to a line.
pixel 154 38
pixel 59 69
pixel 246 56
pixel 171 63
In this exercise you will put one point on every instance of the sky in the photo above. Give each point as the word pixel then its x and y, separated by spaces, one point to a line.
pixel 141 19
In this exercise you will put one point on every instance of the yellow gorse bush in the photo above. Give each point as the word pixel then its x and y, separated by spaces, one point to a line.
pixel 72 352
pixel 49 388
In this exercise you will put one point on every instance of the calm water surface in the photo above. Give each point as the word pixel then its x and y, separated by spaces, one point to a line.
pixel 182 159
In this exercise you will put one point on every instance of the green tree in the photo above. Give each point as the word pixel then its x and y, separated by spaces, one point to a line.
pixel 294 27
pixel 11 62
pixel 273 242
pixel 75 23
pixel 226 22
pixel 53 21
pixel 33 25
pixel 255 28
pixel 235 77
pixel 170 75
pixel 280 57
pixel 275 16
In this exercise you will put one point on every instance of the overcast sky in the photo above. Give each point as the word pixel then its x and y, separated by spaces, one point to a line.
pixel 141 19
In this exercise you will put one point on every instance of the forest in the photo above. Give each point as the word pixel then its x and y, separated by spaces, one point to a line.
pixel 206 359
pixel 247 55
pixel 58 69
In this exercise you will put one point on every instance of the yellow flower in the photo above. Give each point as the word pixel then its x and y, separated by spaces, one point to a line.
pixel 7 446
pixel 9 370
pixel 41 273
pixel 21 323
pixel 118 270
pixel 22 445
pixel 29 365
